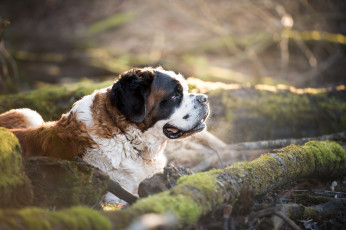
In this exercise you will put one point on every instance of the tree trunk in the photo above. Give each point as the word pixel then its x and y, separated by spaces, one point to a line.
pixel 200 193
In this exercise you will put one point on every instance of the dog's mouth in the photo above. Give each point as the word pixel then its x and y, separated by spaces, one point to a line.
pixel 173 132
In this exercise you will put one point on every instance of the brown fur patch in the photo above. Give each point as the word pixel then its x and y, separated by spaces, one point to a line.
pixel 107 120
pixel 13 120
pixel 64 139
pixel 153 98
pixel 152 108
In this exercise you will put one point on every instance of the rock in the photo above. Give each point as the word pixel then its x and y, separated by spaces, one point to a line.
pixel 60 183
pixel 162 181
pixel 15 187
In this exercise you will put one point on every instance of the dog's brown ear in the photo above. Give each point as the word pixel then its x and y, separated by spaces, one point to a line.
pixel 129 93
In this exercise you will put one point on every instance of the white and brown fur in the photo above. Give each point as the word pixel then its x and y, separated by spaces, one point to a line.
pixel 122 129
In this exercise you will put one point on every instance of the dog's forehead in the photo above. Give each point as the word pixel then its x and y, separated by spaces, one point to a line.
pixel 164 79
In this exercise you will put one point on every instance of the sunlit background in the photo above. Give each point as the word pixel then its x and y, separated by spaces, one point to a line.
pixel 289 51
pixel 299 42
pixel 272 69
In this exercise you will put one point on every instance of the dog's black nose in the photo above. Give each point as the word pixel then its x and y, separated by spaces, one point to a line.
pixel 201 98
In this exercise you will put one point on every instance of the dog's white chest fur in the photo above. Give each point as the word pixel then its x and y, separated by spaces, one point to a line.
pixel 127 158
pixel 120 158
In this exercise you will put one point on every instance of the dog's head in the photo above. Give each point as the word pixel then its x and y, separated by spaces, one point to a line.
pixel 154 97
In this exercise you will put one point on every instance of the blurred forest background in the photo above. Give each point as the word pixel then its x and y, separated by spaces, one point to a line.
pixel 300 43
pixel 281 64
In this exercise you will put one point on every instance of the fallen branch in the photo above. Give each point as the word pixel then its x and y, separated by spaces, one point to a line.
pixel 234 151
pixel 115 188
pixel 283 216
pixel 283 142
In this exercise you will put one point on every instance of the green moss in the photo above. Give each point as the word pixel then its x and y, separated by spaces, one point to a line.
pixel 8 143
pixel 296 213
pixel 50 101
pixel 259 173
pixel 15 187
pixel 39 219
pixel 317 156
pixel 293 162
pixel 327 155
pixel 307 200
pixel 193 196
pixel 308 213
pixel 205 189
pixel 257 114
pixel 183 207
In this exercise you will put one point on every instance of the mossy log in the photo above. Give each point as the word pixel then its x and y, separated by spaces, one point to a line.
pixel 200 193
pixel 80 218
pixel 51 102
pixel 15 187
pixel 252 114
pixel 239 113
pixel 59 183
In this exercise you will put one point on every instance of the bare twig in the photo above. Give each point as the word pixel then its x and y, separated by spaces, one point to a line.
pixel 298 212
pixel 227 211
pixel 324 65
pixel 115 188
pixel 284 142
pixel 268 212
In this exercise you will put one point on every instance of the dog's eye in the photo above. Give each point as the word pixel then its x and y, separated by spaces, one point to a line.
pixel 176 96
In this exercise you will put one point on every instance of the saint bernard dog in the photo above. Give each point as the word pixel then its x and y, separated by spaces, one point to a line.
pixel 122 129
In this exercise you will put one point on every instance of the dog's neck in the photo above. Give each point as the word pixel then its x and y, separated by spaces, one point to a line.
pixel 104 121
pixel 147 144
